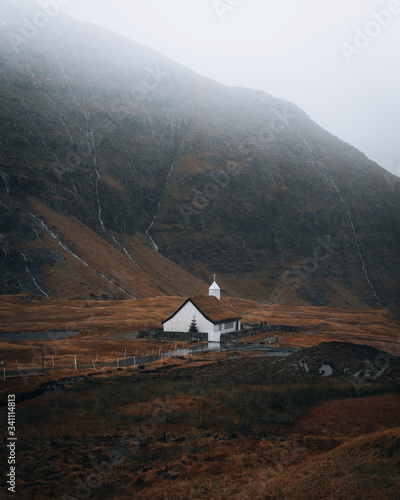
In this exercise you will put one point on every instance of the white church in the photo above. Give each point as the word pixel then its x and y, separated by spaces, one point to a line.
pixel 211 315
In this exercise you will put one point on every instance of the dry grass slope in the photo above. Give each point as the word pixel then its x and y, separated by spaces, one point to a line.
pixel 205 426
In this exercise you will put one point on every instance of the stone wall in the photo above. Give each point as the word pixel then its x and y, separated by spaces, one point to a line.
pixel 203 337
pixel 182 336
pixel 261 328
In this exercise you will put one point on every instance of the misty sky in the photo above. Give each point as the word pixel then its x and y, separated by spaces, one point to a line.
pixel 338 61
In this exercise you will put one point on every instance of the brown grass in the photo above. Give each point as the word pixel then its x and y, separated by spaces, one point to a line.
pixel 217 430
pixel 317 324
pixel 220 436
pixel 352 417
pixel 364 468
pixel 99 321
pixel 71 278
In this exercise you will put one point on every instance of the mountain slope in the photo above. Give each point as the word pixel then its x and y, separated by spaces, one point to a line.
pixel 123 171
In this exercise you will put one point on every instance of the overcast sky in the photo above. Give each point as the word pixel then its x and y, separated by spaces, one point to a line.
pixel 338 61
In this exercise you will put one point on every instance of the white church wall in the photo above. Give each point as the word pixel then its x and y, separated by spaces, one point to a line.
pixel 214 336
pixel 182 320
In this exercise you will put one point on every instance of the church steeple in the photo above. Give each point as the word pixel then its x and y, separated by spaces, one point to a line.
pixel 214 289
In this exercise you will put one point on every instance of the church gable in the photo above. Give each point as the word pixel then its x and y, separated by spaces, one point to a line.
pixel 183 309
pixel 181 319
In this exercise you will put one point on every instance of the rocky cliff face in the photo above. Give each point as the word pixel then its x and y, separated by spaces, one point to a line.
pixel 125 174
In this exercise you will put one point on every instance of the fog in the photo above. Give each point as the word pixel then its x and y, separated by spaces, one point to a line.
pixel 338 61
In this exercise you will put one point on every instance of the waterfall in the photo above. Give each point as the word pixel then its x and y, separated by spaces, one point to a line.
pixel 6 180
pixel 28 272
pixel 93 154
pixel 60 116
pixel 152 242
pixel 57 239
pixel 62 245
pixel 123 248
pixel 329 178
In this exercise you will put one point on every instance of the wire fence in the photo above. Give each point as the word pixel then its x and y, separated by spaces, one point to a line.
pixel 36 362
pixel 58 356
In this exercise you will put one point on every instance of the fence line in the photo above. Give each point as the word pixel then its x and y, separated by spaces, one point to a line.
pixel 26 369
pixel 39 364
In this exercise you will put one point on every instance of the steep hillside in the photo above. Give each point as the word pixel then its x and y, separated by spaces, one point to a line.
pixel 125 174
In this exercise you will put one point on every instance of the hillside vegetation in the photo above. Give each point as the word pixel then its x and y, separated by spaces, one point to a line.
pixel 125 175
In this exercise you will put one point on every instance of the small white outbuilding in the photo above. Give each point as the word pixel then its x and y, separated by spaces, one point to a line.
pixel 212 315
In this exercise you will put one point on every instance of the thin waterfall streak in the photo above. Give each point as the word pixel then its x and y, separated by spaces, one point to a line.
pixel 152 242
pixel 350 218
pixel 57 239
pixel 28 272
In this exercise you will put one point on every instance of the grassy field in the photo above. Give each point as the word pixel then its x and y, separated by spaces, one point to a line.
pixel 179 433
pixel 215 425
pixel 100 321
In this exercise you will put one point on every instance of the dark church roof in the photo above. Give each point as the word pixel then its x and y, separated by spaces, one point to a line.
pixel 211 308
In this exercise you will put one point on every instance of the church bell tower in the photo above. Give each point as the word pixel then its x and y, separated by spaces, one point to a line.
pixel 214 290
